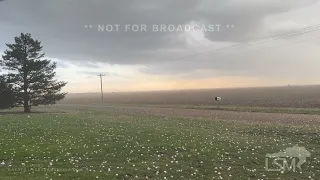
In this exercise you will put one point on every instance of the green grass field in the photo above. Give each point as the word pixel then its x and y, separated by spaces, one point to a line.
pixel 108 145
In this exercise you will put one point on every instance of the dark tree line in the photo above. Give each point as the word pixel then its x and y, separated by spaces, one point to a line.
pixel 6 94
pixel 30 78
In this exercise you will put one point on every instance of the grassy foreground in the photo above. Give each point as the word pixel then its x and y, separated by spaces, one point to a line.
pixel 107 145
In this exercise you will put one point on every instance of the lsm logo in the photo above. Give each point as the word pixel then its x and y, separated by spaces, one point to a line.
pixel 295 156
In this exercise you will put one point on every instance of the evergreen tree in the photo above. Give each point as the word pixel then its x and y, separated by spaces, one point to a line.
pixel 6 94
pixel 32 76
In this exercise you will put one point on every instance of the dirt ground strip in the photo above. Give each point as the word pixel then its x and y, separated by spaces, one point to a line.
pixel 295 119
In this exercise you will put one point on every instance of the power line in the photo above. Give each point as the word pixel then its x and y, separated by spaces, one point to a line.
pixel 298 42
pixel 101 86
pixel 243 45
pixel 297 30
pixel 267 39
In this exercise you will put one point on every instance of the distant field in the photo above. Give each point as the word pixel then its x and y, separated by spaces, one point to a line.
pixel 242 108
pixel 291 97
pixel 122 144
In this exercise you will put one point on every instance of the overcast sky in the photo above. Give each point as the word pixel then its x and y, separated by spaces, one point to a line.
pixel 124 40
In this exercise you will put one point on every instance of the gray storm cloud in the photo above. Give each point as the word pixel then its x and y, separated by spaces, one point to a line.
pixel 60 24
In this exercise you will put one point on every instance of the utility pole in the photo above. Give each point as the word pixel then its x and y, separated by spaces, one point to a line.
pixel 101 86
